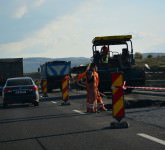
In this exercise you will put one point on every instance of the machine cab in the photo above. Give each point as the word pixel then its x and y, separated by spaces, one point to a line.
pixel 103 55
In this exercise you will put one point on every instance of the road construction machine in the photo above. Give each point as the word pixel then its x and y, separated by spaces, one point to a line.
pixel 114 54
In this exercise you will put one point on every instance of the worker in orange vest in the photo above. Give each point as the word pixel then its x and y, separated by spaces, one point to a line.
pixel 94 100
pixel 105 54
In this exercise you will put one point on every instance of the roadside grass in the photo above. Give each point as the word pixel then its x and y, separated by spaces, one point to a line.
pixel 152 62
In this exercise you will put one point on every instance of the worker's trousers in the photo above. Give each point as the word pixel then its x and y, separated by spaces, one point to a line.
pixel 91 98
pixel 100 104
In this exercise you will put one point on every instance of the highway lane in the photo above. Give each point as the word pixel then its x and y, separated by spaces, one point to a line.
pixel 52 126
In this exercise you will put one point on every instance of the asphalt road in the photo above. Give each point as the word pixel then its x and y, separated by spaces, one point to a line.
pixel 51 126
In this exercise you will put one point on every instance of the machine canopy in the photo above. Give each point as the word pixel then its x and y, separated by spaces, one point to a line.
pixel 111 40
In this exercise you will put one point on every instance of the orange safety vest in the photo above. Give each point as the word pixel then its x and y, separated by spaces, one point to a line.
pixel 96 77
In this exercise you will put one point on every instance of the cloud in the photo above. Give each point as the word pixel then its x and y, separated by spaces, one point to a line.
pixel 38 3
pixel 142 35
pixel 20 12
pixel 14 47
pixel 54 40
pixel 71 34
pixel 26 6
pixel 68 35
pixel 62 37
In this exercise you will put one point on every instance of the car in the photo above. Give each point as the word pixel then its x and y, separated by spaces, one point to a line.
pixel 1 88
pixel 20 90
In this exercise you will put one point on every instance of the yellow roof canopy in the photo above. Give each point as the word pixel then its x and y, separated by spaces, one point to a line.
pixel 111 40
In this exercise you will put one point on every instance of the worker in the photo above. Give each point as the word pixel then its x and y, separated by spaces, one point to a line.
pixel 104 54
pixel 93 95
pixel 100 104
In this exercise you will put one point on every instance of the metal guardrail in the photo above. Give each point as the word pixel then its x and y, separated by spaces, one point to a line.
pixel 155 83
pixel 155 80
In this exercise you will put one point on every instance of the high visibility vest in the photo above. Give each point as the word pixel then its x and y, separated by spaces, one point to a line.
pixel 105 58
pixel 96 77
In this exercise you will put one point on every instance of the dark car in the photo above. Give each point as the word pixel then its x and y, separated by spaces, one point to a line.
pixel 20 90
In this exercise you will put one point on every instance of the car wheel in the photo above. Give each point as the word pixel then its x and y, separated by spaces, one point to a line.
pixel 36 103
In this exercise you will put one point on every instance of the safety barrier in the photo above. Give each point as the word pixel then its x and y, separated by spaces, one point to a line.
pixel 155 83
pixel 65 91
pixel 146 88
pixel 118 101
pixel 44 88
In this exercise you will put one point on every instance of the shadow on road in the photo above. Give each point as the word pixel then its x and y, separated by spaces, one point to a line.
pixel 7 121
pixel 59 98
pixel 56 135
pixel 16 106
pixel 139 104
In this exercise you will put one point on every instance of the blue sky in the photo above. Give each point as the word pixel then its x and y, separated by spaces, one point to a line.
pixel 65 28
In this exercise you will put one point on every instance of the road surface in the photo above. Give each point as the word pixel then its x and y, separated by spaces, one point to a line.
pixel 51 126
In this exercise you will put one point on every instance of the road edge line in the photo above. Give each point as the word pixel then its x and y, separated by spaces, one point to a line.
pixel 80 112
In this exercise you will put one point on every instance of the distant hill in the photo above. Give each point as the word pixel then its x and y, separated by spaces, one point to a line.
pixel 32 64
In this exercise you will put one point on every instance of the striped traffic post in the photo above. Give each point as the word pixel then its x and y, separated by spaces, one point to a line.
pixel 65 91
pixel 37 83
pixel 44 88
pixel 118 101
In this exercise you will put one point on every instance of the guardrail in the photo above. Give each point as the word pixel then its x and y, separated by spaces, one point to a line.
pixel 155 83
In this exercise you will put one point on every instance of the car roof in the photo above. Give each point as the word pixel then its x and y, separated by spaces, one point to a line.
pixel 19 78
pixel 111 40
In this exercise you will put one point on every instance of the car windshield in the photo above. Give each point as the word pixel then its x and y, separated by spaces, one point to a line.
pixel 16 82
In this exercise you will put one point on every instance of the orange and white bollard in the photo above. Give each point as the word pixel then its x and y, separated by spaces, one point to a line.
pixel 65 91
pixel 44 88
pixel 118 101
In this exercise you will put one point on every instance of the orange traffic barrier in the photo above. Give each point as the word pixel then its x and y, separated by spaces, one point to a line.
pixel 44 88
pixel 118 101
pixel 65 90
pixel 118 96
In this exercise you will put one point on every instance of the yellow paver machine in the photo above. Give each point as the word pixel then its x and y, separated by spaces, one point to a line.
pixel 114 54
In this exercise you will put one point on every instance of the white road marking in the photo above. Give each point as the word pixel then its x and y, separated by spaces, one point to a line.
pixel 53 102
pixel 80 112
pixel 152 138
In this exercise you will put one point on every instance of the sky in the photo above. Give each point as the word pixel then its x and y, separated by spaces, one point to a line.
pixel 66 28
